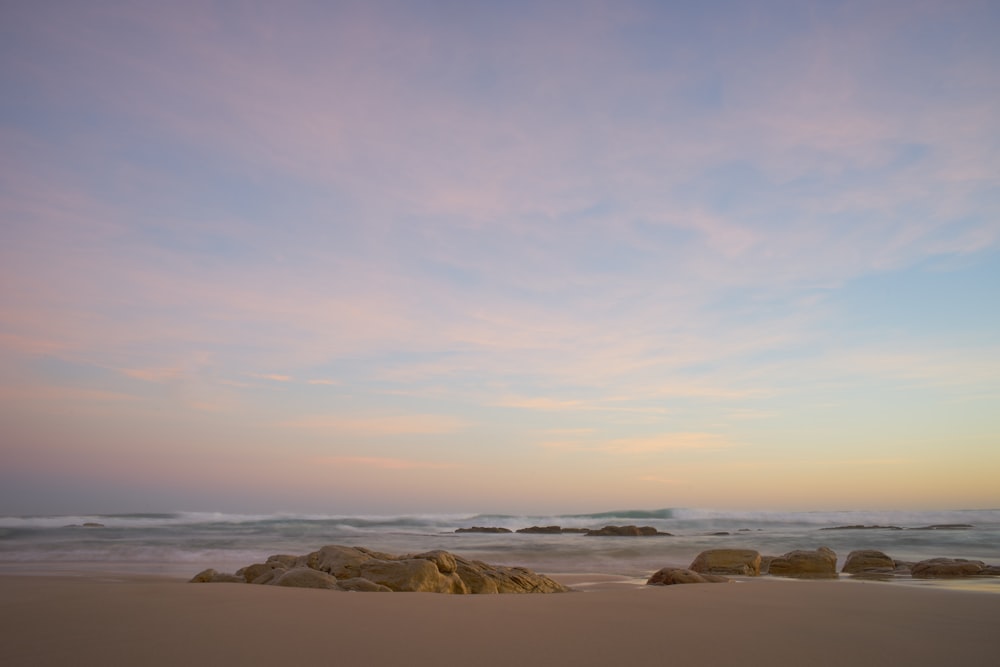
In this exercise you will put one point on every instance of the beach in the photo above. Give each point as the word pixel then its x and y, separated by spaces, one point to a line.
pixel 104 619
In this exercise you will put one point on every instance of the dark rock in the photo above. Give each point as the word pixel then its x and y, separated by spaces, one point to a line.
pixel 542 530
pixel 670 576
pixel 946 526
pixel 947 568
pixel 860 527
pixel 625 531
pixel 483 529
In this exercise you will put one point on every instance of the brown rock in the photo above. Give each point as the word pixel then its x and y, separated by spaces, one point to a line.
pixel 341 562
pixel 818 564
pixel 669 576
pixel 947 568
pixel 360 569
pixel 740 562
pixel 203 577
pixel 211 576
pixel 867 561
pixel 411 575
pixel 305 577
pixel 444 561
pixel 358 584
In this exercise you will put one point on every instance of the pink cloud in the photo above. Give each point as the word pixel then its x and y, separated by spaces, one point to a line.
pixel 377 426
pixel 387 463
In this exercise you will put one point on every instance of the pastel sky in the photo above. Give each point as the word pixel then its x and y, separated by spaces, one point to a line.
pixel 499 256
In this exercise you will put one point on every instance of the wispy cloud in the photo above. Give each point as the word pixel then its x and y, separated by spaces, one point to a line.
pixel 386 463
pixel 274 377
pixel 643 444
pixel 377 426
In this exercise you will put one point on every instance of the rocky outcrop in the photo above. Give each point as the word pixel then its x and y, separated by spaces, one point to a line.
pixel 541 530
pixel 861 527
pixel 947 568
pixel 344 568
pixel 624 531
pixel 864 561
pixel 818 564
pixel 670 576
pixel 483 529
pixel 739 562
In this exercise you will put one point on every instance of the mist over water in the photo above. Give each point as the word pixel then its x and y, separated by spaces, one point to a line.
pixel 180 544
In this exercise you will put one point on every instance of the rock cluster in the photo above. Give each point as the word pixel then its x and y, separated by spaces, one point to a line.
pixel 483 529
pixel 358 569
pixel 624 531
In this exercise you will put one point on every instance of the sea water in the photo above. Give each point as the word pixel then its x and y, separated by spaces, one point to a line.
pixel 183 543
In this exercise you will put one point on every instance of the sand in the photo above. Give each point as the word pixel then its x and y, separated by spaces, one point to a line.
pixel 104 620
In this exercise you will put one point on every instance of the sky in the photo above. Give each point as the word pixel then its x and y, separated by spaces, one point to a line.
pixel 390 257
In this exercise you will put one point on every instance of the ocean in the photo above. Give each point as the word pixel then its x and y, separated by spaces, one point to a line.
pixel 179 544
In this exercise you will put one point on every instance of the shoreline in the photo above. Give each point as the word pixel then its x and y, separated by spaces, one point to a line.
pixel 154 620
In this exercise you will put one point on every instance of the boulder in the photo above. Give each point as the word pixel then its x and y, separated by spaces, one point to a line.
pixel 740 562
pixel 444 561
pixel 252 572
pixel 411 575
pixel 211 576
pixel 868 560
pixel 359 585
pixel 669 576
pixel 946 568
pixel 305 577
pixel 818 564
pixel 522 580
pixel 341 562
pixel 203 577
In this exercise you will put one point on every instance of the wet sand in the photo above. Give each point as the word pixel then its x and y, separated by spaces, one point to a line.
pixel 128 620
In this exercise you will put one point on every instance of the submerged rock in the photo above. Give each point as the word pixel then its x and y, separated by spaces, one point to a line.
pixel 483 529
pixel 541 530
pixel 624 531
pixel 670 576
pixel 947 568
pixel 739 562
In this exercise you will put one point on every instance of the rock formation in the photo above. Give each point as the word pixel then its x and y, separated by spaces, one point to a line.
pixel 818 564
pixel 343 568
pixel 483 529
pixel 739 562
pixel 669 576
pixel 624 531
pixel 542 530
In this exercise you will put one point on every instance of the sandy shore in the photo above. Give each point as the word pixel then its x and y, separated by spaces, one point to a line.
pixel 103 620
